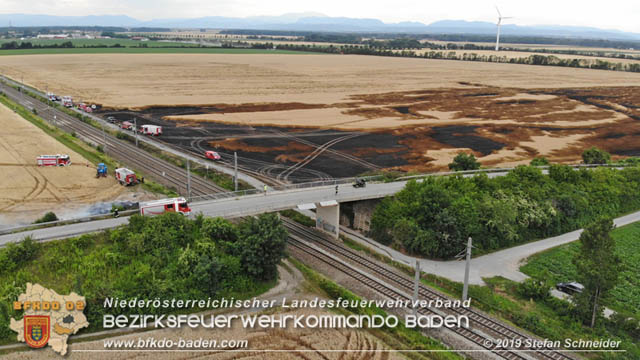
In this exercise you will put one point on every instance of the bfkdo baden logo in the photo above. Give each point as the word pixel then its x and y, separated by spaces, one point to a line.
pixel 36 330
pixel 49 318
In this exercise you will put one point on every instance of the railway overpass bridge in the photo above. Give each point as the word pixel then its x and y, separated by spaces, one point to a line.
pixel 322 198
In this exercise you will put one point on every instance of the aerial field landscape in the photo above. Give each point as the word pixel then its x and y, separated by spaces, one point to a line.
pixel 400 113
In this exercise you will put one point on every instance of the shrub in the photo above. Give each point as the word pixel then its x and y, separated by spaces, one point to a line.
pixel 534 289
pixel 464 161
pixel 48 217
pixel 594 155
pixel 540 161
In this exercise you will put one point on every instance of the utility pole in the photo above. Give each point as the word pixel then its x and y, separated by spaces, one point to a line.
pixel 135 130
pixel 104 138
pixel 188 180
pixel 416 286
pixel 235 166
pixel 465 289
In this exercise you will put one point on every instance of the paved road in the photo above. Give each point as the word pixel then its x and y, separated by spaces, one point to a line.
pixel 504 263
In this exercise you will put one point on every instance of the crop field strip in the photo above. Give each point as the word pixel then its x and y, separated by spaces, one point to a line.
pixel 486 323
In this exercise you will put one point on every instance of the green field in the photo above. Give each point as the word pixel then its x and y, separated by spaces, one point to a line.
pixel 150 50
pixel 557 264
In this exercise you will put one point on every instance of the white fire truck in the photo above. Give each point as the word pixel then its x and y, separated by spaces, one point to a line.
pixel 126 177
pixel 151 130
pixel 53 160
pixel 158 207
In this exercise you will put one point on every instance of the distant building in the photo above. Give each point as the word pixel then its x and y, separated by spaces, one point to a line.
pixel 52 36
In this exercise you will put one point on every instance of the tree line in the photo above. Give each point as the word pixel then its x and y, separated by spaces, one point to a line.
pixel 168 256
pixel 544 60
pixel 434 217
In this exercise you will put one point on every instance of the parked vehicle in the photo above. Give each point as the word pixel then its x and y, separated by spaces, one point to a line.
pixel 126 177
pixel 67 101
pixel 126 125
pixel 84 107
pixel 570 287
pixel 212 155
pixel 52 97
pixel 53 160
pixel 101 171
pixel 153 130
pixel 359 183
pixel 111 119
pixel 158 207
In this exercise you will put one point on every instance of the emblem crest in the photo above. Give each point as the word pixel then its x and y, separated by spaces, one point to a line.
pixel 36 330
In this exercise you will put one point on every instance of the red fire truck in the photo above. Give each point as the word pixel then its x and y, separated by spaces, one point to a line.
pixel 126 177
pixel 126 125
pixel 53 160
pixel 158 207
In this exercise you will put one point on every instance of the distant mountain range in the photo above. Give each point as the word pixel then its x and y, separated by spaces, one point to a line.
pixel 319 22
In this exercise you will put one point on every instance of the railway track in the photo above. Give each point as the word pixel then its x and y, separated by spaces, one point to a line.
pixel 482 327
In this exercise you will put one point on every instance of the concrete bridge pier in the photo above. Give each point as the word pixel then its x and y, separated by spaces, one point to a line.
pixel 328 217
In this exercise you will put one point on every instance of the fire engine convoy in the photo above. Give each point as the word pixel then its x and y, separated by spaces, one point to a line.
pixel 126 177
pixel 158 207
pixel 53 160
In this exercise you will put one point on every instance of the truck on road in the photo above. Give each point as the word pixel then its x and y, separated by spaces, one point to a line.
pixel 159 207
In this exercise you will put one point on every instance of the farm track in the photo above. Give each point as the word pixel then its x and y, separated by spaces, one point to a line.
pixel 481 325
pixel 172 175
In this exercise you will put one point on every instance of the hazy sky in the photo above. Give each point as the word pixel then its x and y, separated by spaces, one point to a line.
pixel 620 14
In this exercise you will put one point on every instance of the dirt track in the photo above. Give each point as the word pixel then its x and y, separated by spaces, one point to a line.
pixel 28 191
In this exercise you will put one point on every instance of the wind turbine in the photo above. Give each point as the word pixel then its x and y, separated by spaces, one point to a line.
pixel 500 18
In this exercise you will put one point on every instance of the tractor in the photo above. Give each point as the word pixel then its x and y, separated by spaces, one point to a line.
pixel 101 170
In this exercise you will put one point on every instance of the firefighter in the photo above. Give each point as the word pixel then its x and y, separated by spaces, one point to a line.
pixel 265 189
pixel 115 213
pixel 336 189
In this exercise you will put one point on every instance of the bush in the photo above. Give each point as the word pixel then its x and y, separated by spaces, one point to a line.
pixel 540 161
pixel 595 156
pixel 463 162
pixel 534 289
pixel 48 217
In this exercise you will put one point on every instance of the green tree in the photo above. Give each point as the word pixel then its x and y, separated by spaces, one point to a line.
pixel 261 245
pixel 597 267
pixel 594 155
pixel 464 161
pixel 540 161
